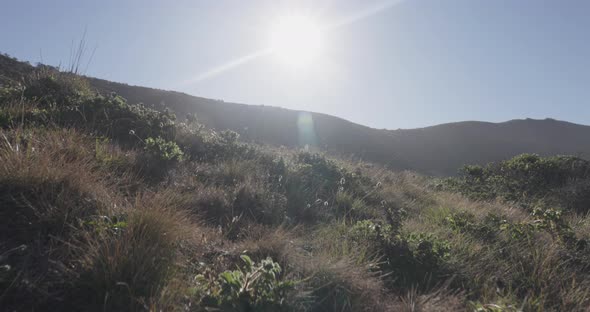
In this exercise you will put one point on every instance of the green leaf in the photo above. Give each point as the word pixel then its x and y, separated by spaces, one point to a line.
pixel 228 277
pixel 248 261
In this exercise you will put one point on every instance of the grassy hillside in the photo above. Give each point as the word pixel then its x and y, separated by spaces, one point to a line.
pixel 455 144
pixel 110 206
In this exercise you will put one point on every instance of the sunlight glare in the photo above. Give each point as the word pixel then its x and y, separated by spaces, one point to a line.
pixel 296 41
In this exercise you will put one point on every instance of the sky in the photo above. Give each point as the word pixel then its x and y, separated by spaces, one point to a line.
pixel 383 63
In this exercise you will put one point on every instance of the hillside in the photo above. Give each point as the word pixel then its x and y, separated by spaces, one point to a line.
pixel 109 206
pixel 454 144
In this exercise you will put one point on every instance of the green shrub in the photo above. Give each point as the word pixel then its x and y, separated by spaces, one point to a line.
pixel 428 250
pixel 412 259
pixel 368 230
pixel 65 99
pixel 461 221
pixel 317 189
pixel 206 144
pixel 466 222
pixel 52 88
pixel 159 157
pixel 163 150
pixel 10 93
pixel 308 184
pixel 255 287
pixel 530 181
pixel 549 220
pixel 552 221
pixel 113 117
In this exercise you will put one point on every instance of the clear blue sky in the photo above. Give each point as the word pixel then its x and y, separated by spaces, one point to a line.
pixel 414 63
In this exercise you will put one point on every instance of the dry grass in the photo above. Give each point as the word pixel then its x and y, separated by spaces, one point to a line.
pixel 69 237
pixel 47 189
pixel 121 268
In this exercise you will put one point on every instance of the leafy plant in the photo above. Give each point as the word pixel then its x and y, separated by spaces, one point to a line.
pixel 552 221
pixel 428 250
pixel 163 150
pixel 466 222
pixel 255 287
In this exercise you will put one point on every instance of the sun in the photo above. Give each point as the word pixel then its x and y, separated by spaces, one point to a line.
pixel 296 41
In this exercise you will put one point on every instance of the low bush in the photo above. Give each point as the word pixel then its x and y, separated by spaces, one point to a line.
pixel 530 181
pixel 53 98
pixel 163 150
pixel 206 144
pixel 255 287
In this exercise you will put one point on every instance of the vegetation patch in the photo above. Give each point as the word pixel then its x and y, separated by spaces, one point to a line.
pixel 112 206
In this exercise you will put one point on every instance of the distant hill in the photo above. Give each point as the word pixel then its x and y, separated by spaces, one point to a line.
pixel 436 150
pixel 442 149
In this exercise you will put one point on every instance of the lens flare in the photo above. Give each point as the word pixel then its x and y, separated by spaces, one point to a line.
pixel 306 130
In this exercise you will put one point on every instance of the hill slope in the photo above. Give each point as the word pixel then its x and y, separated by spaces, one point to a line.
pixel 108 206
pixel 453 144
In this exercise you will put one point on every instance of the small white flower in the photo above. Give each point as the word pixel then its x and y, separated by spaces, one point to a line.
pixel 132 132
